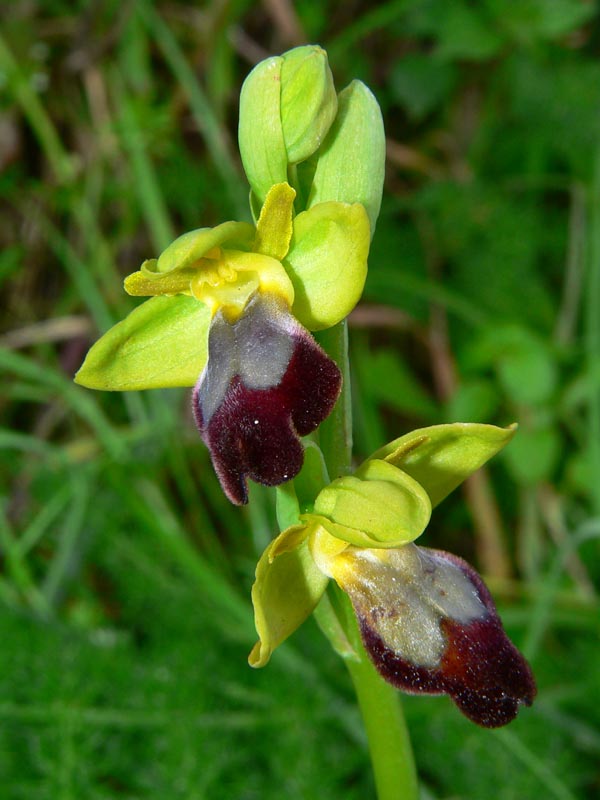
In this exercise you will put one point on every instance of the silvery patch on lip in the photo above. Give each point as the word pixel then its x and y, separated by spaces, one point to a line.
pixel 266 383
pixel 430 626
pixel 257 348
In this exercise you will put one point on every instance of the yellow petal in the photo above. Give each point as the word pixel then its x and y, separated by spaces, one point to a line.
pixel 274 226
pixel 139 284
pixel 193 245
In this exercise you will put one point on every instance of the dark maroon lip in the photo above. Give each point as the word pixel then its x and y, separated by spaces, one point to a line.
pixel 482 671
pixel 266 384
pixel 480 668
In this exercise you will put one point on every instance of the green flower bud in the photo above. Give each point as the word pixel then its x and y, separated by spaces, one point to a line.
pixel 287 106
pixel 260 134
pixel 351 164
pixel 308 101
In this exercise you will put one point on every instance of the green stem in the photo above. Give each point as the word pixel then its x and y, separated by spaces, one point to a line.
pixel 380 704
pixel 389 742
pixel 335 434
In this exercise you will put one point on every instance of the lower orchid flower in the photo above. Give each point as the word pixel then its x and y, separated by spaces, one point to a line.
pixel 229 312
pixel 426 619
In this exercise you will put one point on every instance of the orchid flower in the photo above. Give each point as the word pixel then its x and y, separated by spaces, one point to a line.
pixel 228 315
pixel 231 307
pixel 426 619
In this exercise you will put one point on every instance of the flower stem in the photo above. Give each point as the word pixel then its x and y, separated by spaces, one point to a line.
pixel 380 703
pixel 389 741
pixel 335 433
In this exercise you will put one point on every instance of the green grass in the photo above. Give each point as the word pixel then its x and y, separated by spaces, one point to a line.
pixel 125 618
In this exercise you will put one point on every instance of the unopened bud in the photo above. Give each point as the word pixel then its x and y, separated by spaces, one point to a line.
pixel 308 101
pixel 351 164
pixel 287 106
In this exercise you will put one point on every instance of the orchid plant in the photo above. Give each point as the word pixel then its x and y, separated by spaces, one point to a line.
pixel 231 313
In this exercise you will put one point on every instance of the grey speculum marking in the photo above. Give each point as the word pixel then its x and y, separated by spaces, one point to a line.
pixel 257 347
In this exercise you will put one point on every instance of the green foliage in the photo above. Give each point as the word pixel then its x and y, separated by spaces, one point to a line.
pixel 125 619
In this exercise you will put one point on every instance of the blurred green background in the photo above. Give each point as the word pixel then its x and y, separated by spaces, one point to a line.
pixel 125 618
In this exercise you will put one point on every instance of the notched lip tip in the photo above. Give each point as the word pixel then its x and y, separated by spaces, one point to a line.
pixel 236 493
pixel 237 500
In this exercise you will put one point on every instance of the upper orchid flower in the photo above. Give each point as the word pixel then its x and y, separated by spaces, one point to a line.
pixel 227 315
pixel 426 618
pixel 230 306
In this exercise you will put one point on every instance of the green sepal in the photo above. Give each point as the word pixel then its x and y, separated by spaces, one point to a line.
pixel 327 262
pixel 260 134
pixel 379 506
pixel 162 343
pixel 442 456
pixel 351 162
pixel 308 101
pixel 287 589
pixel 191 246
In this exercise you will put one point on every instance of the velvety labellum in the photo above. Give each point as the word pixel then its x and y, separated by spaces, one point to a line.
pixel 266 383
pixel 430 626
